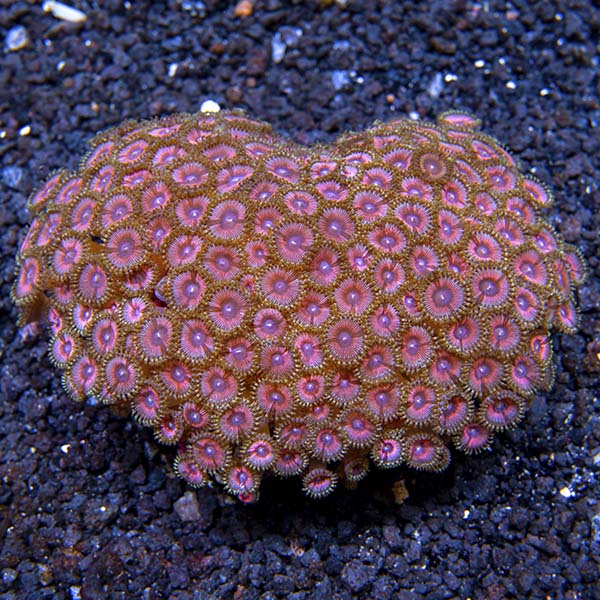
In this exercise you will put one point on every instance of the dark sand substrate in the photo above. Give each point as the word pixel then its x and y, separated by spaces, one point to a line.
pixel 89 507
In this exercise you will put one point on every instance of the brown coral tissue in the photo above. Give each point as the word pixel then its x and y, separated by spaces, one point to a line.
pixel 271 308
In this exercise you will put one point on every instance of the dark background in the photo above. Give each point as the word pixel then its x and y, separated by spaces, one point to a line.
pixel 89 506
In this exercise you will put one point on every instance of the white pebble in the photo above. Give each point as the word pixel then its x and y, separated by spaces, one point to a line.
pixel 339 79
pixel 64 12
pixel 436 86
pixel 565 492
pixel 187 507
pixel 210 106
pixel 284 38
pixel 75 592
pixel 16 38
pixel 278 48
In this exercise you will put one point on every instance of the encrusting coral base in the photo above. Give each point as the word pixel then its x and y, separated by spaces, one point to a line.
pixel 301 311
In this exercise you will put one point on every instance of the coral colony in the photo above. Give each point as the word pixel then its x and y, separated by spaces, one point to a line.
pixel 270 308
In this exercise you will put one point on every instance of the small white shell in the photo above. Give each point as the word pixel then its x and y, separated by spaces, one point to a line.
pixel 210 106
pixel 64 12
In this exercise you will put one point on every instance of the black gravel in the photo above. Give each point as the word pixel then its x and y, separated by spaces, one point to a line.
pixel 89 506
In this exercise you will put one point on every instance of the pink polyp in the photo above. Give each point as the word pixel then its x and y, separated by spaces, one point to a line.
pixel 474 437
